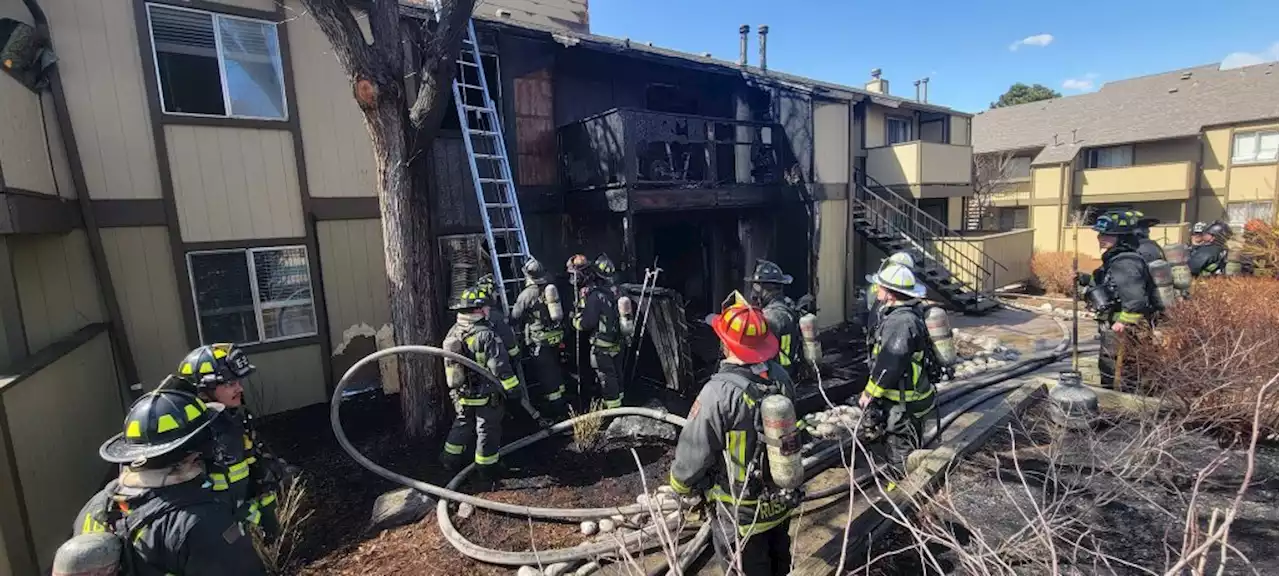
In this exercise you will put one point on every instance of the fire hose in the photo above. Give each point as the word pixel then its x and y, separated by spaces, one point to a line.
pixel 641 539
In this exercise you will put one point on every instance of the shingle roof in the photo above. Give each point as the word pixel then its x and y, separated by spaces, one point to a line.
pixel 625 45
pixel 1167 105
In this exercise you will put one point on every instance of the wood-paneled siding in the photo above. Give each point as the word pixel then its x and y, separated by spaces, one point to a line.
pixel 286 379
pixel 355 278
pixel 142 269
pixel 57 419
pixel 336 143
pixel 97 48
pixel 234 183
pixel 31 153
pixel 57 290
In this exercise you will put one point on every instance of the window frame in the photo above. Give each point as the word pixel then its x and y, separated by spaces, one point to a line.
pixel 254 292
pixel 1249 204
pixel 222 66
pixel 1091 162
pixel 908 120
pixel 1257 146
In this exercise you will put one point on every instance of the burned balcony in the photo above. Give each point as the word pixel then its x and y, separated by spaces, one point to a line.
pixel 643 150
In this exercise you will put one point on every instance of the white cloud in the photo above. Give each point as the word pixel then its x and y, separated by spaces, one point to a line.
pixel 1040 40
pixel 1081 84
pixel 1242 59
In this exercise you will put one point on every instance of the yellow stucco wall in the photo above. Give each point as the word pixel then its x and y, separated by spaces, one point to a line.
pixel 1046 220
pixel 1222 182
pixel 832 261
pixel 1046 182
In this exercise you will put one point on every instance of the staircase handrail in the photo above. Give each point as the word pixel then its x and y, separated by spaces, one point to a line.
pixel 947 232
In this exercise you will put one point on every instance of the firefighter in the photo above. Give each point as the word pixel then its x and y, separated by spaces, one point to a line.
pixel 784 322
pixel 241 470
pixel 721 453
pixel 538 315
pixel 875 309
pixel 479 403
pixel 1209 258
pixel 1147 248
pixel 1121 291
pixel 1198 236
pixel 160 508
pixel 899 395
pixel 498 317
pixel 596 314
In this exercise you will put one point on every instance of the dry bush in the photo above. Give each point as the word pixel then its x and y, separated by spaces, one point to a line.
pixel 292 514
pixel 1052 271
pixel 1214 351
pixel 1262 246
pixel 586 432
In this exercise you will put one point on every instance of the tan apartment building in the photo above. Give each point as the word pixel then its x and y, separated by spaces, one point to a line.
pixel 198 171
pixel 1197 144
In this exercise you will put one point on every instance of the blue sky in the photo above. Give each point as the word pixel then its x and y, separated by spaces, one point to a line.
pixel 971 51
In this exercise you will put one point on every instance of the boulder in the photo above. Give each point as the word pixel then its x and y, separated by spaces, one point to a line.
pixel 607 525
pixel 399 508
pixel 588 528
pixel 633 427
pixel 465 511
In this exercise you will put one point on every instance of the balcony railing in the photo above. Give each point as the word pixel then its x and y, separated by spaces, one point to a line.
pixel 918 162
pixel 632 148
pixel 1167 181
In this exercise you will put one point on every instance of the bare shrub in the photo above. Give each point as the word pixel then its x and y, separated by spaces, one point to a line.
pixel 1214 351
pixel 1052 271
pixel 586 431
pixel 292 515
pixel 1262 246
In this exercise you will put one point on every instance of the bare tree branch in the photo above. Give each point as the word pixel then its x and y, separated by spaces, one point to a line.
pixel 992 175
pixel 339 25
pixel 438 61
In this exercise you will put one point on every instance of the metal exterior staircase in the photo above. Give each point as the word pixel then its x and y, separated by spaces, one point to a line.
pixel 490 171
pixel 893 223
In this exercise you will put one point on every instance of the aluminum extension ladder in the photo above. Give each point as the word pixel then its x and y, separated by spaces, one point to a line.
pixel 490 171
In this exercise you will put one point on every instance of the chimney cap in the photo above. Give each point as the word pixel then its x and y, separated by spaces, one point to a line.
pixel 743 29
pixel 763 29
pixel 875 72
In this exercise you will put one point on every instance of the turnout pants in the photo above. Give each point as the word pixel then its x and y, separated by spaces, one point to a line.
pixel 904 431
pixel 765 553
pixel 546 363
pixel 608 366
pixel 1113 370
pixel 479 419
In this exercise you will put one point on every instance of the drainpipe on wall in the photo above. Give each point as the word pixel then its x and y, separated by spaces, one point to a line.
pixel 115 321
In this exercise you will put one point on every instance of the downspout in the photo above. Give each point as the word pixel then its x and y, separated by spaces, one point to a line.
pixel 115 322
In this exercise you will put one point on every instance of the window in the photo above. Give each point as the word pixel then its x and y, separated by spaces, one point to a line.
pixel 1238 213
pixel 1254 146
pixel 897 129
pixel 1113 157
pixel 254 295
pixel 1013 218
pixel 1018 168
pixel 217 65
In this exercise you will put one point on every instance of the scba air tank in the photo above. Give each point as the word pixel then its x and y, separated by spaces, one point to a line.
pixel 782 442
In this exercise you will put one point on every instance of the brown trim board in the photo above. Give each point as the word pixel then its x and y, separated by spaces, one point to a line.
pixel 13 508
pixel 185 298
pixel 123 213
pixel 240 245
pixel 226 122
pixel 220 8
pixel 308 208
pixel 15 333
pixel 353 208
pixel 28 212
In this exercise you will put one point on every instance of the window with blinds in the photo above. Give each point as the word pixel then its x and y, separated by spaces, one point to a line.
pixel 217 65
pixel 252 295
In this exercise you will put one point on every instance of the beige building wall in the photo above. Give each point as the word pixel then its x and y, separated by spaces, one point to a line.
pixel 142 267
pixel 355 282
pixel 234 183
pixel 57 290
pixel 335 140
pixel 286 379
pixel 831 142
pixel 58 417
pixel 1221 182
pixel 875 122
pixel 832 251
pixel 264 5
pixel 97 48
pixel 1046 213
pixel 1252 182
pixel 960 130
pixel 1161 151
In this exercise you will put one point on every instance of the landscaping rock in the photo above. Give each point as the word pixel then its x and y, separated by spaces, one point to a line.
pixel 557 569
pixel 633 427
pixel 465 510
pixel 607 525
pixel 1046 307
pixel 588 528
pixel 399 508
pixel 588 568
pixel 528 571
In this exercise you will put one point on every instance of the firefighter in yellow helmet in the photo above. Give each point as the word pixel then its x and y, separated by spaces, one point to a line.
pixel 596 315
pixel 721 451
pixel 159 517
pixel 241 470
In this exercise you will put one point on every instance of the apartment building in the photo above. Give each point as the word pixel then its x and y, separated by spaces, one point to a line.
pixel 1182 146
pixel 198 171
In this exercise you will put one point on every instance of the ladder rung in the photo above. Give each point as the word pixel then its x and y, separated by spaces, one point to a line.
pixel 471 86
pixel 511 255
pixel 488 156
pixel 477 108
pixel 499 205
pixel 482 132
pixel 492 180
pixel 506 229
pixel 467 63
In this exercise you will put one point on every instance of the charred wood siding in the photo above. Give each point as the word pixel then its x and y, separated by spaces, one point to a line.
pixel 456 209
pixel 535 131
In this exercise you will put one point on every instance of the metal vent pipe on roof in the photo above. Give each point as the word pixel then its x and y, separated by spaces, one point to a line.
pixel 925 81
pixel 917 90
pixel 743 30
pixel 764 33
